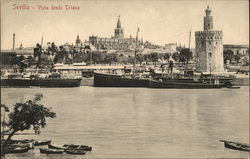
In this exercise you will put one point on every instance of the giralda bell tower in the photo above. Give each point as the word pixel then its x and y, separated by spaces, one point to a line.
pixel 119 30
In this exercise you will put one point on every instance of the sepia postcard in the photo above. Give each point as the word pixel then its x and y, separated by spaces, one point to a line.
pixel 124 79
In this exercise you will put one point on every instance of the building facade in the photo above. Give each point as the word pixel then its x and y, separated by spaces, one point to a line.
pixel 237 49
pixel 171 47
pixel 116 42
pixel 209 46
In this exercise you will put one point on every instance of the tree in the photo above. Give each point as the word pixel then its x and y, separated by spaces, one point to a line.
pixel 166 56
pixel 185 55
pixel 176 56
pixel 97 56
pixel 46 62
pixel 27 115
pixel 30 60
pixel 139 58
pixel 228 55
pixel 154 57
pixel 237 57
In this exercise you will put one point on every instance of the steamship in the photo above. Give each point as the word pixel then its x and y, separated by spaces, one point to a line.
pixel 38 80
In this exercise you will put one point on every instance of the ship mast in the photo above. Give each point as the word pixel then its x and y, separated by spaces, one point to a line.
pixel 135 52
pixel 189 40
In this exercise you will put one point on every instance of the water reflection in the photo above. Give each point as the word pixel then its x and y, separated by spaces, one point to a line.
pixel 139 122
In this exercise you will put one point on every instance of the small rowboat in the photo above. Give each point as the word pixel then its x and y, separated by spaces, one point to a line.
pixel 236 145
pixel 17 150
pixel 51 151
pixel 233 87
pixel 75 152
pixel 79 147
pixel 24 141
pixel 22 145
pixel 50 146
pixel 42 142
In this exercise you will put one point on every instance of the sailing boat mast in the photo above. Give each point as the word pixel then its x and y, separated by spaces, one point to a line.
pixel 189 40
pixel 135 52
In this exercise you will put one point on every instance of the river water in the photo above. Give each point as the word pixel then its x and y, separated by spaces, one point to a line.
pixel 141 122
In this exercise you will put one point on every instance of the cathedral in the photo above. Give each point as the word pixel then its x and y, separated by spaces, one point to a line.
pixel 116 42
pixel 209 46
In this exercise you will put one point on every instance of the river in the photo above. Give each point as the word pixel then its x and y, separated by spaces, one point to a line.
pixel 141 122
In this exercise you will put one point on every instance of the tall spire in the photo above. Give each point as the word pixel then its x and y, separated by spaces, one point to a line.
pixel 119 22
pixel 78 41
pixel 119 30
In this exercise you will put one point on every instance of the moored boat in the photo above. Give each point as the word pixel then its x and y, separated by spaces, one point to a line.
pixel 42 142
pixel 22 143
pixel 236 145
pixel 78 147
pixel 50 146
pixel 50 80
pixel 72 146
pixel 114 80
pixel 183 85
pixel 75 152
pixel 17 150
pixel 51 151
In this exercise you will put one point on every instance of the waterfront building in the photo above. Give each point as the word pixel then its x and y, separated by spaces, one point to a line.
pixel 209 46
pixel 237 49
pixel 116 42
pixel 170 47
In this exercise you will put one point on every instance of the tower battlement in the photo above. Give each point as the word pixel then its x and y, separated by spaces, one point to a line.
pixel 209 35
pixel 210 32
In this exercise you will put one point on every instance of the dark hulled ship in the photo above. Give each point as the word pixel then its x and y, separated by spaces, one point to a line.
pixel 177 84
pixel 188 79
pixel 53 80
pixel 114 80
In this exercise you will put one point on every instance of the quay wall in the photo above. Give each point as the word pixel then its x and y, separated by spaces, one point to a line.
pixel 87 82
pixel 238 81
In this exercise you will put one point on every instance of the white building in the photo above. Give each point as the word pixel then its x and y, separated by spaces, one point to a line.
pixel 171 47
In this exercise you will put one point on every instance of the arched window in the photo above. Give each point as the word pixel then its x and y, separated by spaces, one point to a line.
pixel 210 55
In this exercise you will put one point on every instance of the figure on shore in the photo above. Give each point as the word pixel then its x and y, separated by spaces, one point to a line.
pixel 171 65
pixel 37 54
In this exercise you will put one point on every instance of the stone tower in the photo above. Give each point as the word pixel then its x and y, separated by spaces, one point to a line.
pixel 119 29
pixel 209 47
pixel 78 41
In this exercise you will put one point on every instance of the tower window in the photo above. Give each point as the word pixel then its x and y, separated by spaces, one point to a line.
pixel 210 55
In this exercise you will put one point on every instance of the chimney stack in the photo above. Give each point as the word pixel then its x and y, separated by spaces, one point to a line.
pixel 13 41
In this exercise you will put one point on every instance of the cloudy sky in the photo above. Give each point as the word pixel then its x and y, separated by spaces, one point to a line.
pixel 160 21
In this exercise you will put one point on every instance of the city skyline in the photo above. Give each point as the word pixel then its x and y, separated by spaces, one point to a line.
pixel 160 22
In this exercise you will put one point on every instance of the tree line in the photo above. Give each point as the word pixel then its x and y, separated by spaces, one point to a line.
pixel 45 58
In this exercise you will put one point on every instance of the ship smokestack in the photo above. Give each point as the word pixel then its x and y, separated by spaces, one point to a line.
pixel 13 41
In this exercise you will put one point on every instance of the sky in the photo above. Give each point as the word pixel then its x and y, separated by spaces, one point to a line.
pixel 160 21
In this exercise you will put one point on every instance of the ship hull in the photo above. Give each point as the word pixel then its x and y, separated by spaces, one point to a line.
pixel 107 80
pixel 180 85
pixel 40 82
